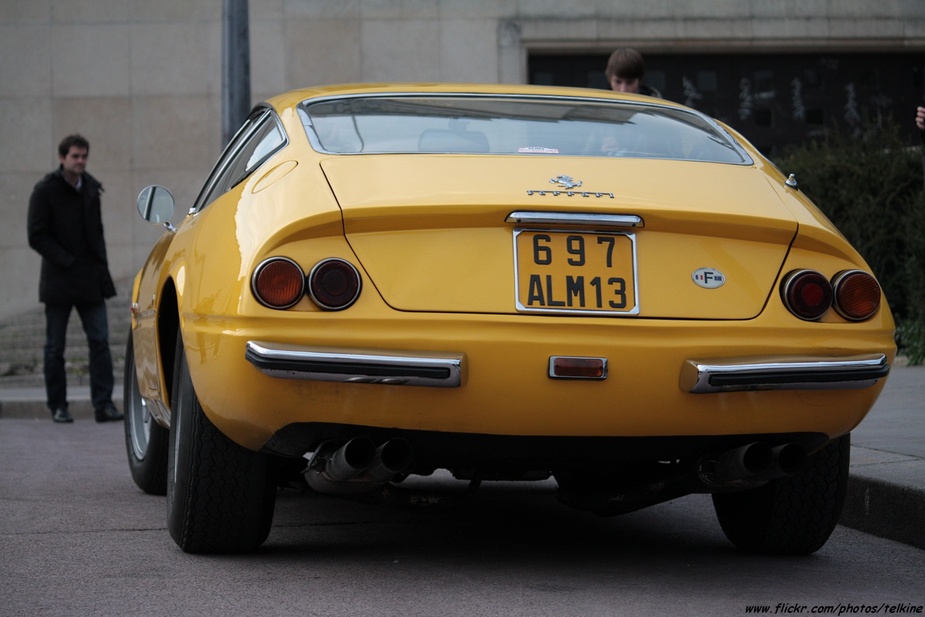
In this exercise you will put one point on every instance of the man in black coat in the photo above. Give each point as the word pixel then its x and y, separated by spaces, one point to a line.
pixel 66 228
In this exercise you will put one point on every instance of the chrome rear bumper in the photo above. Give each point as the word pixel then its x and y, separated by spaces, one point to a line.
pixel 448 370
pixel 357 366
pixel 730 375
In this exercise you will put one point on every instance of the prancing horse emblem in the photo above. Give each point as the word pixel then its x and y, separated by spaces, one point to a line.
pixel 566 182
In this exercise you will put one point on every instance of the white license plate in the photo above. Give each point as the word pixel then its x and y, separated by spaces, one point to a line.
pixel 571 272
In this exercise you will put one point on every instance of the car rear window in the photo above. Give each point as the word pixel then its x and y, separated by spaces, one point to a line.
pixel 515 125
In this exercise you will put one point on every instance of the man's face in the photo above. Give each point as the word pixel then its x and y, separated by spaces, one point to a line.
pixel 624 84
pixel 75 161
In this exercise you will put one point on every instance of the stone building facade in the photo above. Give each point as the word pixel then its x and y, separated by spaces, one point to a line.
pixel 141 79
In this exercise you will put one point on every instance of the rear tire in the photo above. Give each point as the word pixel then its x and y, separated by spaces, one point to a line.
pixel 146 441
pixel 793 515
pixel 220 495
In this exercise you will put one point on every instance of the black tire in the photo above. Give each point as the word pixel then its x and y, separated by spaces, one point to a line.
pixel 146 441
pixel 793 515
pixel 220 495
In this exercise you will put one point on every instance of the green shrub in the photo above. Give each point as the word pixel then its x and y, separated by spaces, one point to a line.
pixel 911 338
pixel 910 330
pixel 872 188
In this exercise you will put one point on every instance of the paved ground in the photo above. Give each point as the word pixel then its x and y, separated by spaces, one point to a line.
pixel 887 487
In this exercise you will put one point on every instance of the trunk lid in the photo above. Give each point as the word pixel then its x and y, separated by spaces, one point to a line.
pixel 434 233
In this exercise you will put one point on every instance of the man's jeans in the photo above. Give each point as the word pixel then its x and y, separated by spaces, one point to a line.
pixel 96 327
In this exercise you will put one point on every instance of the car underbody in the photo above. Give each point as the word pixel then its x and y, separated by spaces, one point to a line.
pixel 609 475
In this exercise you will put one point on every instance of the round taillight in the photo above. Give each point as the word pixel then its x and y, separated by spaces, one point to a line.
pixel 857 295
pixel 278 283
pixel 334 284
pixel 807 294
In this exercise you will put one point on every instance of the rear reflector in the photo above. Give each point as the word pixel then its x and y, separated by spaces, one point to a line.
pixel 569 367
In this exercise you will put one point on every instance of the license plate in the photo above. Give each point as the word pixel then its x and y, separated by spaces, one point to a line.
pixel 569 272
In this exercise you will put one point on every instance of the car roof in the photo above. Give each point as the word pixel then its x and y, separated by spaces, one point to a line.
pixel 294 97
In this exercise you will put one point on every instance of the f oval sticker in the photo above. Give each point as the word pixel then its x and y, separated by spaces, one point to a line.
pixel 708 278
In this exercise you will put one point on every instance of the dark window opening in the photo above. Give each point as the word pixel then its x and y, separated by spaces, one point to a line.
pixel 775 100
pixel 764 117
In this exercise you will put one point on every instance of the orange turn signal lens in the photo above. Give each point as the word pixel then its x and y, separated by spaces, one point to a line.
pixel 278 283
pixel 857 295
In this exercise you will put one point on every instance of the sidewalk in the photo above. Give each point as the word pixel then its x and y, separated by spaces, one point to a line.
pixel 886 491
pixel 886 495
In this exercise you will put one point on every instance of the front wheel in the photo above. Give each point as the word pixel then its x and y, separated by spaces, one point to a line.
pixel 146 441
pixel 220 495
pixel 794 515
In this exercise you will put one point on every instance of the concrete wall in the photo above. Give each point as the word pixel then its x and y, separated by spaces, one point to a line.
pixel 141 79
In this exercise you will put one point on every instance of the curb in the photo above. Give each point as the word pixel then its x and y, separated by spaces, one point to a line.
pixel 33 410
pixel 28 403
pixel 885 510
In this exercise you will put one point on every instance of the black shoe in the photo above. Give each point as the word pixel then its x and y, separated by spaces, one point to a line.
pixel 109 413
pixel 61 415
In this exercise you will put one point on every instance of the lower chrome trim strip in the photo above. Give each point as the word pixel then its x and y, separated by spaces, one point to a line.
pixel 733 375
pixel 356 366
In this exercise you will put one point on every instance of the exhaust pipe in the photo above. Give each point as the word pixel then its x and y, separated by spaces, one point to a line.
pixel 329 468
pixel 392 458
pixel 789 458
pixel 742 464
pixel 742 468
pixel 357 466
pixel 751 464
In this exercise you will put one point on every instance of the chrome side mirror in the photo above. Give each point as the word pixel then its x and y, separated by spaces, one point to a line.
pixel 156 205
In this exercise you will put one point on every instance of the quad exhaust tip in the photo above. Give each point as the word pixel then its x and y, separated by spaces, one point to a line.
pixel 358 466
pixel 755 462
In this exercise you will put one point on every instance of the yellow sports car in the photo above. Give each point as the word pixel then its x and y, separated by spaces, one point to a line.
pixel 509 283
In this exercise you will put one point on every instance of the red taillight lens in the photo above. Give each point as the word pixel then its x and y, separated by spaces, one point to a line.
pixel 278 283
pixel 857 295
pixel 807 294
pixel 334 284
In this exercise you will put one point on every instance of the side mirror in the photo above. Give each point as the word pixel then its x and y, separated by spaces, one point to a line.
pixel 156 205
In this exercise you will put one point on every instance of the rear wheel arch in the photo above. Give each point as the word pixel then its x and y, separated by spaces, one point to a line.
pixel 168 323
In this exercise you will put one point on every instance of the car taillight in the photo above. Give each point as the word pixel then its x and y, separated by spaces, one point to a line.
pixel 857 295
pixel 278 283
pixel 806 293
pixel 334 284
